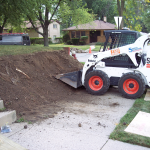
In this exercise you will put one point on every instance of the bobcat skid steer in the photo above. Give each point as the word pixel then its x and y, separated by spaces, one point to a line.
pixel 125 63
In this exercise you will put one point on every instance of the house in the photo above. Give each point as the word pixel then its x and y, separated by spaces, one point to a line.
pixel 53 30
pixel 94 30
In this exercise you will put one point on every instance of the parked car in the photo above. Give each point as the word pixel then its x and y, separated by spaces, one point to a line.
pixel 14 39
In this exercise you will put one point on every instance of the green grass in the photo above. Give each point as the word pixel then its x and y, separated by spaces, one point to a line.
pixel 20 49
pixel 119 133
pixel 82 63
pixel 20 120
pixel 2 109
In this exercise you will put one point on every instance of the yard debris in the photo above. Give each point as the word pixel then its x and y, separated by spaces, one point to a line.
pixel 79 125
pixel 22 73
pixel 25 126
pixel 99 124
pixel 5 129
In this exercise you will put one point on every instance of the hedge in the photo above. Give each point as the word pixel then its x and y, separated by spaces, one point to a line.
pixel 84 37
pixel 75 41
pixel 38 40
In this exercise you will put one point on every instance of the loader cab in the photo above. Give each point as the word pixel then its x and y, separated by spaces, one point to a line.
pixel 119 38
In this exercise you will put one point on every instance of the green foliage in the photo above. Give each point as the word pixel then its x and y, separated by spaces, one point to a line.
pixel 9 15
pixel 75 41
pixel 82 43
pixel 20 120
pixel 102 8
pixel 2 109
pixel 66 37
pixel 59 39
pixel 74 13
pixel 133 15
pixel 69 42
pixel 37 40
pixel 99 43
pixel 84 37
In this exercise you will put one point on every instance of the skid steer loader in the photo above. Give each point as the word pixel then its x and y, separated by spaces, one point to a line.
pixel 123 62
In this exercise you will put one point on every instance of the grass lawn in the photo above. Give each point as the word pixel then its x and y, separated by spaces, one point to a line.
pixel 21 49
pixel 119 133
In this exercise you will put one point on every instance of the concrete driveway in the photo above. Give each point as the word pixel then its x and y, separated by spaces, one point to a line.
pixel 80 126
pixel 82 57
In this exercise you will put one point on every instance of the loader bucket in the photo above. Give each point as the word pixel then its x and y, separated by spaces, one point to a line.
pixel 71 78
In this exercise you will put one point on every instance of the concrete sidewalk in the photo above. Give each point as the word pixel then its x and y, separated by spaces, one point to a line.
pixel 81 126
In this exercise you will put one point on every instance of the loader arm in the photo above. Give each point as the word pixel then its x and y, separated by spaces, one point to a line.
pixel 129 50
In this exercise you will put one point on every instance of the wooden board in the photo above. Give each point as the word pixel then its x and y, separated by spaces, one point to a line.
pixel 147 96
pixel 7 144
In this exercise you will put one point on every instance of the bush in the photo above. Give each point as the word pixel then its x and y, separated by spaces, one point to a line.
pixel 59 39
pixel 66 38
pixel 75 41
pixel 100 43
pixel 82 43
pixel 84 37
pixel 69 42
pixel 37 40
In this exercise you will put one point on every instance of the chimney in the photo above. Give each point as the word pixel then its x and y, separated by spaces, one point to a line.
pixel 105 19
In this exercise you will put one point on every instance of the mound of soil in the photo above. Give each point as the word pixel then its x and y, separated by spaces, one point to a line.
pixel 27 81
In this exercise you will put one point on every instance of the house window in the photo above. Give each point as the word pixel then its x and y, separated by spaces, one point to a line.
pixel 54 26
pixel 78 34
pixel 82 33
pixel 54 37
pixel 0 37
pixel 73 34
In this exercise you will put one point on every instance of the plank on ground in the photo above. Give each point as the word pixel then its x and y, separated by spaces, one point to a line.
pixel 7 144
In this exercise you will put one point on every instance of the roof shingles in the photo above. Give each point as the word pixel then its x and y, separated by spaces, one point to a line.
pixel 95 25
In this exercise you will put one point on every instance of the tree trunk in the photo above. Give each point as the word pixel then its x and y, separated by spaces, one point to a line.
pixel 1 29
pixel 45 35
pixel 121 10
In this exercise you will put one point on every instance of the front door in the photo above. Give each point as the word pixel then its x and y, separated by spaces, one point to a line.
pixel 93 36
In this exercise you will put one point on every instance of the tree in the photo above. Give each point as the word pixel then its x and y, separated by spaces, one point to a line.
pixel 102 8
pixel 146 17
pixel 44 11
pixel 9 15
pixel 121 8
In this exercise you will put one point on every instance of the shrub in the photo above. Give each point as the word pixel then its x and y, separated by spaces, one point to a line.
pixel 69 42
pixel 66 38
pixel 84 37
pixel 59 39
pixel 75 41
pixel 37 40
pixel 100 43
pixel 82 43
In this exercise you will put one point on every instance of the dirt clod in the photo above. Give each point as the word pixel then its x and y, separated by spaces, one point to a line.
pixel 79 125
pixel 25 127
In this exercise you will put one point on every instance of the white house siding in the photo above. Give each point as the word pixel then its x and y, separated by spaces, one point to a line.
pixel 52 32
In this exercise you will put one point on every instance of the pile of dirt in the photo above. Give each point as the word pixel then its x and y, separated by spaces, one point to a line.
pixel 27 81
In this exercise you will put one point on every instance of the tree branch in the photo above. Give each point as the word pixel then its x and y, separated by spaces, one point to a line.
pixel 5 20
pixel 55 10
pixel 34 25
pixel 40 18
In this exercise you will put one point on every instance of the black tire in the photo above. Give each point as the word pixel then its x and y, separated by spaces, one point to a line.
pixel 96 82
pixel 131 85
